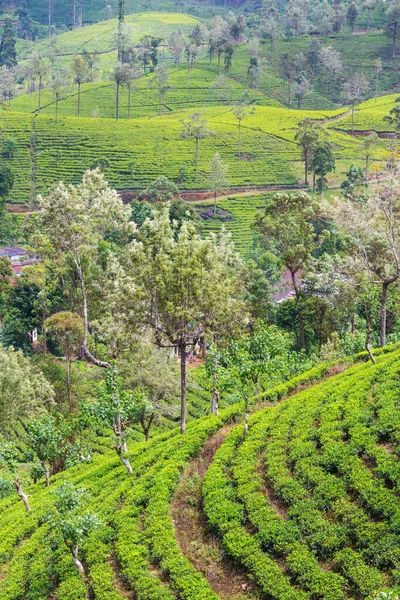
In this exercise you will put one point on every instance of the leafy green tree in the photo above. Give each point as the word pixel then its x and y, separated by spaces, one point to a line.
pixel 9 459
pixel 287 228
pixel 354 182
pixel 370 144
pixel 67 329
pixel 120 75
pixel 196 128
pixel 68 519
pixel 176 44
pixel 161 83
pixel 393 23
pixel 288 71
pixel 81 74
pixel 75 220
pixel 308 136
pixel 351 16
pixel 47 438
pixel 40 68
pixel 216 180
pixel 8 53
pixel 6 181
pixel 394 118
pixel 11 145
pixel 243 109
pixel 323 163
pixel 228 55
pixel 186 283
pixel 24 389
pixel 160 190
pixel 353 90
pixel 58 86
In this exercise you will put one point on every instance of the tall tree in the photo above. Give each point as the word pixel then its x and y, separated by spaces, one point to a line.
pixel 121 20
pixel 393 23
pixel 9 462
pixel 8 53
pixel 176 44
pixel 351 16
pixel 332 63
pixel 75 220
pixel 287 227
pixel 308 135
pixel 323 163
pixel 121 77
pixel 196 129
pixel 161 83
pixel 370 144
pixel 182 279
pixel 81 74
pixel 216 180
pixel 59 84
pixel 40 68
pixel 242 110
pixel 378 70
pixel 353 91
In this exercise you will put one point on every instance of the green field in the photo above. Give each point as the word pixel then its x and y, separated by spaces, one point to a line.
pixel 153 146
pixel 306 505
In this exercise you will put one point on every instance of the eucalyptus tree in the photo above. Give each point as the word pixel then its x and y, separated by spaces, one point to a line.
pixel 353 91
pixel 59 84
pixel 243 109
pixel 81 74
pixel 180 283
pixel 75 219
pixel 393 23
pixel 196 128
pixel 176 44
pixel 162 84
pixel 216 180
pixel 40 68
pixel 370 144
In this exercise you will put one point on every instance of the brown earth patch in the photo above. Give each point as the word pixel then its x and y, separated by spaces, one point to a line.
pixel 196 542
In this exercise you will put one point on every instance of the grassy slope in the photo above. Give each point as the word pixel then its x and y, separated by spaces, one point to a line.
pixel 137 532
pixel 153 146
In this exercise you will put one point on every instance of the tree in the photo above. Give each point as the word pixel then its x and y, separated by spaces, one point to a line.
pixel 351 16
pixel 369 145
pixel 9 459
pixel 68 520
pixel 295 18
pixel 242 110
pixel 183 281
pixel 176 44
pixel 374 229
pixel 24 389
pixel 355 179
pixel 191 54
pixel 393 118
pixel 6 181
pixel 108 14
pixel 308 135
pixel 301 88
pixel 8 53
pixel 272 30
pixel 313 57
pixel 369 6
pixel 378 70
pixel 121 20
pixel 47 438
pixel 393 23
pixel 161 82
pixel 120 76
pixel 216 180
pixel 196 128
pixel 353 90
pixel 67 330
pixel 11 145
pixel 287 228
pixel 75 220
pixel 160 190
pixel 40 68
pixel 228 54
pixel 220 46
pixel 7 83
pixel 323 163
pixel 288 70
pixel 58 86
pixel 238 28
pixel 81 74
pixel 332 63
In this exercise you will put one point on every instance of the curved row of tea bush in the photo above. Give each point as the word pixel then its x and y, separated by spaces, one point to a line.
pixel 312 491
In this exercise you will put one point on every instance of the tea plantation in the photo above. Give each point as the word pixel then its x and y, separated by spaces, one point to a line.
pixel 306 504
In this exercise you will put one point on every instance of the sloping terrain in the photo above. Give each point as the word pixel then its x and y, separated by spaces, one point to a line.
pixel 306 505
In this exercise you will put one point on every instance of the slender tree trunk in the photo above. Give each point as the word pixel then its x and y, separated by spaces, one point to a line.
pixel 394 40
pixel 239 137
pixel 197 157
pixel 182 349
pixel 79 99
pixel 40 95
pixel 57 109
pixel 76 561
pixel 366 168
pixel 85 352
pixel 219 64
pixel 117 104
pixel 313 182
pixel 69 384
pixel 333 93
pixel 384 295
pixel 306 171
pixel 289 93
pixel 47 472
pixel 352 116
pixel 368 341
pixel 215 396
pixel 300 311
pixel 21 494
pixel 129 100
pixel 146 427
pixel 353 323
pixel 215 202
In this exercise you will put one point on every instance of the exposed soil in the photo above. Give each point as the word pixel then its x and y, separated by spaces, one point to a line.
pixel 120 584
pixel 195 540
pixel 222 215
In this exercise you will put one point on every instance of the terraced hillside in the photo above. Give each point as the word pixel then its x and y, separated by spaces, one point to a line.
pixel 306 506
pixel 150 147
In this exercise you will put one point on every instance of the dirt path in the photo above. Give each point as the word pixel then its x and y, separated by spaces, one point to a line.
pixel 195 540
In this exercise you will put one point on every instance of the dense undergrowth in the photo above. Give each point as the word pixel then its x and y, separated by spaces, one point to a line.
pixel 331 463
